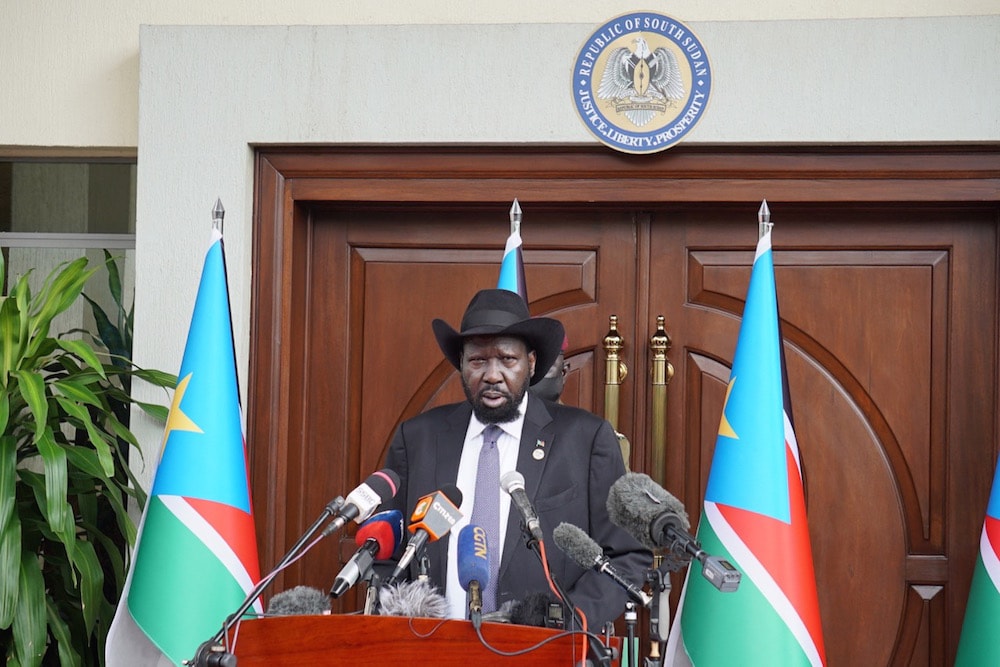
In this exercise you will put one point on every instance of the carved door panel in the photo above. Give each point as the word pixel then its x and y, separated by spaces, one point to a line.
pixel 886 339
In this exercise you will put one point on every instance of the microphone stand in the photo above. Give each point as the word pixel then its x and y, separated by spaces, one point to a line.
pixel 371 594
pixel 212 653
pixel 659 613
pixel 631 650
pixel 601 652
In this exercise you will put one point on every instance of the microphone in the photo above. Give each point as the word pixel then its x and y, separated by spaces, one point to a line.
pixel 412 598
pixel 377 539
pixel 658 520
pixel 588 554
pixel 299 601
pixel 362 501
pixel 432 518
pixel 513 483
pixel 474 568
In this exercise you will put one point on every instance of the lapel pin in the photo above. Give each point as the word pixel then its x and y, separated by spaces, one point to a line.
pixel 538 454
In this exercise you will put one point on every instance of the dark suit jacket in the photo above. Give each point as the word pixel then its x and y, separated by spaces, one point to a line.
pixel 570 483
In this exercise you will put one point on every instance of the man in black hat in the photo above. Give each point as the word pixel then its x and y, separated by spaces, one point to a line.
pixel 569 459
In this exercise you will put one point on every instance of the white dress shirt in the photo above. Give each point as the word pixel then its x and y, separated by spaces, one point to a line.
pixel 507 444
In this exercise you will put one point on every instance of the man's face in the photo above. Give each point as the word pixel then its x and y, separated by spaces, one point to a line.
pixel 550 387
pixel 496 371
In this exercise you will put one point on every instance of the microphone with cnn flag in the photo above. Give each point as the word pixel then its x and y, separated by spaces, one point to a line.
pixel 474 568
pixel 377 540
pixel 432 518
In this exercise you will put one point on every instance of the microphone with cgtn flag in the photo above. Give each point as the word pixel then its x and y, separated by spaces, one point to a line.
pixel 474 568
pixel 377 540
pixel 432 518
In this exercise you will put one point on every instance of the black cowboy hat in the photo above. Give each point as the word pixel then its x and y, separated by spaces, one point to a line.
pixel 500 312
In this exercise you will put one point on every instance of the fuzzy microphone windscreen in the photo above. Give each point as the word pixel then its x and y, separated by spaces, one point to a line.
pixel 419 599
pixel 299 601
pixel 577 544
pixel 635 501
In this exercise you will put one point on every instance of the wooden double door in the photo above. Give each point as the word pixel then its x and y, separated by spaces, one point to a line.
pixel 888 301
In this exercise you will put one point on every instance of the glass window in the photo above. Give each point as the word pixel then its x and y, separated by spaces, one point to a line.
pixel 54 211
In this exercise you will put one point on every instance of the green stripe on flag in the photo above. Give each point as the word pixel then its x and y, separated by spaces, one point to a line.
pixel 978 644
pixel 179 602
pixel 738 628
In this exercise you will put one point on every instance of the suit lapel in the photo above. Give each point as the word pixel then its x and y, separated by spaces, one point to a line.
pixel 449 444
pixel 536 434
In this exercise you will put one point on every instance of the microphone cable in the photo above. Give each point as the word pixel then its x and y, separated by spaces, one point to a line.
pixel 561 594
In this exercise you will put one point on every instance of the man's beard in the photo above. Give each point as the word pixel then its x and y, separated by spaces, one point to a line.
pixel 502 414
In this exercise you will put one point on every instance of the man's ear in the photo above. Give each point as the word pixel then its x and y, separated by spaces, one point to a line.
pixel 531 363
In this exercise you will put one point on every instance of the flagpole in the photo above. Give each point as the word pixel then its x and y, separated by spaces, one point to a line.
pixel 764 223
pixel 218 214
pixel 515 217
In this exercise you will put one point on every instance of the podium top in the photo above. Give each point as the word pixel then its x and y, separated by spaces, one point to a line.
pixel 370 641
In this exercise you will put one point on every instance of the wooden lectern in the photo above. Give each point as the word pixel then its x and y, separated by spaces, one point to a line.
pixel 369 641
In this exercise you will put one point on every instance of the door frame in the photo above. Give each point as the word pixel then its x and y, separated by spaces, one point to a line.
pixel 291 180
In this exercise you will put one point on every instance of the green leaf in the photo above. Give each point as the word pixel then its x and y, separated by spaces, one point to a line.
pixel 29 621
pixel 59 292
pixel 57 511
pixel 68 657
pixel 114 279
pixel 8 478
pixel 78 392
pixel 125 523
pixel 85 352
pixel 107 333
pixel 97 438
pixel 32 388
pixel 91 581
pixel 122 431
pixel 158 412
pixel 10 338
pixel 10 565
pixel 158 378
pixel 22 295
pixel 85 460
pixel 4 411
pixel 112 553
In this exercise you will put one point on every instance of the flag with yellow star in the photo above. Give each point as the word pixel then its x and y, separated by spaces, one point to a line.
pixel 754 513
pixel 196 556
pixel 978 643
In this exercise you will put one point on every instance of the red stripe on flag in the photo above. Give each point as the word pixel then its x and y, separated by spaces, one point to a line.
pixel 992 529
pixel 785 551
pixel 236 527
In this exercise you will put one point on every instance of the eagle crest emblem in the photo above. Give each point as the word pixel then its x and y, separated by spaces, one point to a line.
pixel 641 82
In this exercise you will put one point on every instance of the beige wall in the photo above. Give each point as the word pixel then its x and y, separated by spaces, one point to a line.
pixel 70 74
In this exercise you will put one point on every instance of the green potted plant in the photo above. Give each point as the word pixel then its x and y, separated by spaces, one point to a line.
pixel 65 481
